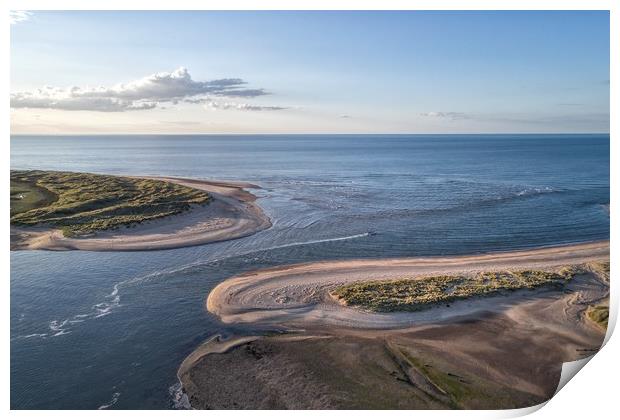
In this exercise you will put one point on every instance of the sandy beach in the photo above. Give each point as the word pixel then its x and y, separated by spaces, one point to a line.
pixel 503 351
pixel 297 295
pixel 231 213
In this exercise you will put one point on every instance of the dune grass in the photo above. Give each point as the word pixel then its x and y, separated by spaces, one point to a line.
pixel 601 268
pixel 599 314
pixel 83 203
pixel 413 294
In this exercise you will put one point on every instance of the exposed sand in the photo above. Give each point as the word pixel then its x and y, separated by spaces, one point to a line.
pixel 497 352
pixel 489 362
pixel 232 213
pixel 297 296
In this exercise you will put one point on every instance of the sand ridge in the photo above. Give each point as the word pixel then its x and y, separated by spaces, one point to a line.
pixel 298 295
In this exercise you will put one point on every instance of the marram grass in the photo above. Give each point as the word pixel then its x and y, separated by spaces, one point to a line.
pixel 84 203
pixel 413 294
pixel 599 314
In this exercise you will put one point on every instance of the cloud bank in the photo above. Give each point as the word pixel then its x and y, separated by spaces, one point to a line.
pixel 241 106
pixel 146 93
pixel 445 115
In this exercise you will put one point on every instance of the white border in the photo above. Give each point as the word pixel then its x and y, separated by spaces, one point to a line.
pixel 310 5
pixel 590 395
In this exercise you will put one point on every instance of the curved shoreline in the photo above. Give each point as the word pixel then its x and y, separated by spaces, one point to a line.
pixel 466 354
pixel 297 296
pixel 232 213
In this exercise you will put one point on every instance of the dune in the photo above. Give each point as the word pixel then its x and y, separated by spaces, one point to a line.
pixel 231 213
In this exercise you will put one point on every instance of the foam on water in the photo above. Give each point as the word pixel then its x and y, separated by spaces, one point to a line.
pixel 180 400
pixel 110 403
pixel 61 327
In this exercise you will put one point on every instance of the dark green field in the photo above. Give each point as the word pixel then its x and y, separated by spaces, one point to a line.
pixel 83 203
pixel 413 294
pixel 26 196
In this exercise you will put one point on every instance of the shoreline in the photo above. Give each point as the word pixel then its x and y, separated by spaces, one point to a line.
pixel 298 295
pixel 231 214
pixel 305 350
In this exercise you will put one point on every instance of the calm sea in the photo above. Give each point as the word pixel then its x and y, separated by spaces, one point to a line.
pixel 108 330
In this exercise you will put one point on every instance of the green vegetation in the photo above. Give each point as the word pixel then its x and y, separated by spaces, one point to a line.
pixel 413 294
pixel 83 203
pixel 453 386
pixel 25 197
pixel 599 314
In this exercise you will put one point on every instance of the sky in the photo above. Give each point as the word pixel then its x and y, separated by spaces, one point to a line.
pixel 309 72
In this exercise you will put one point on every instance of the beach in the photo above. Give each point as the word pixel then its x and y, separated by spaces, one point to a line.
pixel 231 213
pixel 502 351
pixel 298 295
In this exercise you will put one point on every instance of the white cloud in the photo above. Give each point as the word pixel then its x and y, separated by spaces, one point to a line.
pixel 241 106
pixel 446 115
pixel 17 16
pixel 146 93
pixel 65 100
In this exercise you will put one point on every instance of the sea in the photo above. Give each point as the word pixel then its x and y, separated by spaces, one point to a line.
pixel 108 330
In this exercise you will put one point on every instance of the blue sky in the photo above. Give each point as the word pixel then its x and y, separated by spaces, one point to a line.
pixel 310 72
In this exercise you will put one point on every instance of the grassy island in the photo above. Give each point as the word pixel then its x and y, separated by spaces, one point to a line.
pixel 413 294
pixel 84 203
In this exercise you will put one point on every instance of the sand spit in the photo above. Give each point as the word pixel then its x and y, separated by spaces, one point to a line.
pixel 298 296
pixel 232 213
pixel 497 352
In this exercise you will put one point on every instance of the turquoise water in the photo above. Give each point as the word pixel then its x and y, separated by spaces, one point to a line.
pixel 109 330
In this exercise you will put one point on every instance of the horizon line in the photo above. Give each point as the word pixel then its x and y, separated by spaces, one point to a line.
pixel 313 134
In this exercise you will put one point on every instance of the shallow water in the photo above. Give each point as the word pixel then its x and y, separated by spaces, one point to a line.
pixel 109 330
